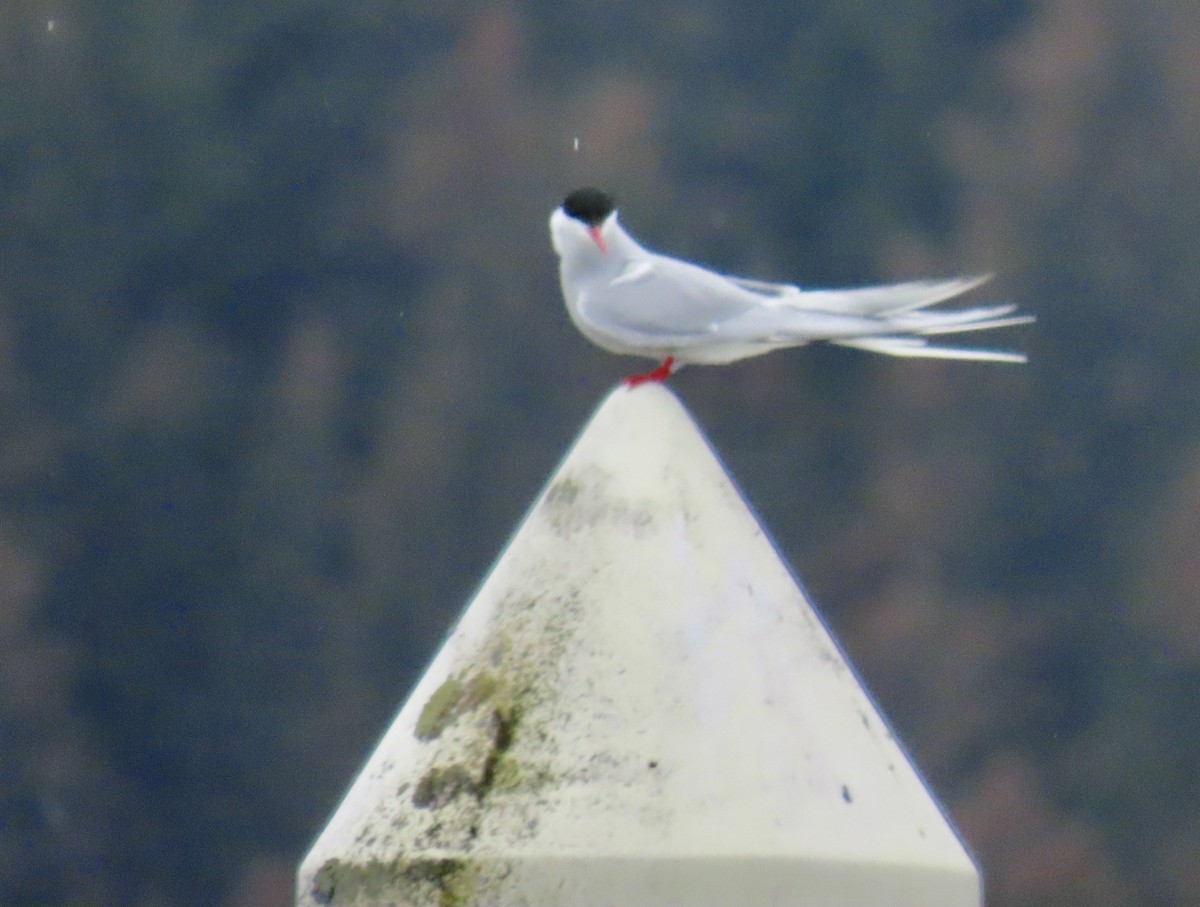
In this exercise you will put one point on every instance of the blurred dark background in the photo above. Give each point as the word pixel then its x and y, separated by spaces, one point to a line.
pixel 283 360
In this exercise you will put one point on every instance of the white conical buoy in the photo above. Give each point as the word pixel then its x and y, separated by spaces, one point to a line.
pixel 639 708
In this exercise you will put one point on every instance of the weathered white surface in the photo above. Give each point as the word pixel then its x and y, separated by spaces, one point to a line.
pixel 639 708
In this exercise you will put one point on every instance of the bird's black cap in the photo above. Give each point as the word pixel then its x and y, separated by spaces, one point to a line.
pixel 589 205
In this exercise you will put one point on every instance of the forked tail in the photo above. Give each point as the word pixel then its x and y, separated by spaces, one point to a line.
pixel 904 329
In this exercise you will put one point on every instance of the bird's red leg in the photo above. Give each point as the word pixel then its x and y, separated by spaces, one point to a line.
pixel 658 376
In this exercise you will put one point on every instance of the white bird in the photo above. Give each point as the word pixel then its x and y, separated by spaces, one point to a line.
pixel 629 300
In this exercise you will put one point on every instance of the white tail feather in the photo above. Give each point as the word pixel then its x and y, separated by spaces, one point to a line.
pixel 919 348
pixel 885 300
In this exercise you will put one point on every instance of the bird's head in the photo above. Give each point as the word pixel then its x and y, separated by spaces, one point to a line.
pixel 585 219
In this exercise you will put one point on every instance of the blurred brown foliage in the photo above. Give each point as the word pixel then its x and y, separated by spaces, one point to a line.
pixel 282 362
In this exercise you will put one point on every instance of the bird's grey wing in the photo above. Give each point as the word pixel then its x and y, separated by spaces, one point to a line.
pixel 885 299
pixel 766 288
pixel 659 299
pixel 888 299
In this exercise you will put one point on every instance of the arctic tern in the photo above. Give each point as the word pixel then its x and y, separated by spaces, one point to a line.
pixel 629 300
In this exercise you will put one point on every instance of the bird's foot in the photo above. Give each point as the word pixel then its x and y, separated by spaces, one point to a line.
pixel 658 376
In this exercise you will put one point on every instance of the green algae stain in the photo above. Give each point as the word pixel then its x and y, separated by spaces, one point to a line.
pixel 340 882
pixel 563 493
pixel 327 882
pixel 440 785
pixel 504 730
pixel 452 699
pixel 453 880
pixel 443 882
pixel 479 689
pixel 506 774
pixel 439 710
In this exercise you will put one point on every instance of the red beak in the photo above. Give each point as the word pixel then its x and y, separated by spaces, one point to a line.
pixel 594 232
